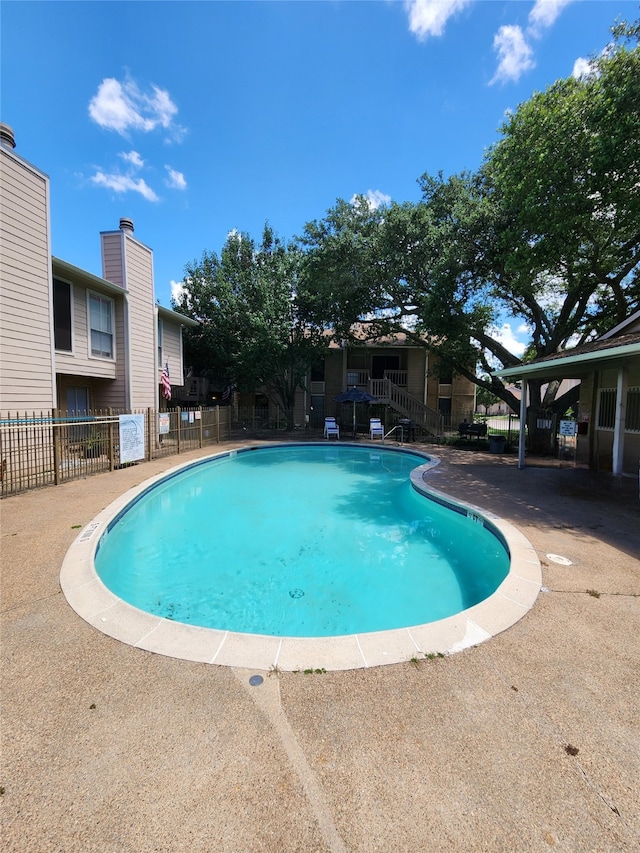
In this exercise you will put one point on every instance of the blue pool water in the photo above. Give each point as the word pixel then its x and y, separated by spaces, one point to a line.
pixel 304 540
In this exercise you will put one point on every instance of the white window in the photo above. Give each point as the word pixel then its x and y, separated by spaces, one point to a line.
pixel 101 326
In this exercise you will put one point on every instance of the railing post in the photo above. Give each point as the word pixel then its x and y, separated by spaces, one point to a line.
pixel 179 416
pixel 200 410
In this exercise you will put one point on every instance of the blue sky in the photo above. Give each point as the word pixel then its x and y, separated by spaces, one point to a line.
pixel 196 118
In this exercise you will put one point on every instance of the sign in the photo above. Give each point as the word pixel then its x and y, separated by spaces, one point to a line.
pixel 131 429
pixel 568 428
pixel 164 422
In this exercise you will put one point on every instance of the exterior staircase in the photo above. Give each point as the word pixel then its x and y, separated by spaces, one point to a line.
pixel 405 404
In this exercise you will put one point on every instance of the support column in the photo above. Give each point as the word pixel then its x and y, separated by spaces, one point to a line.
pixel 523 425
pixel 621 415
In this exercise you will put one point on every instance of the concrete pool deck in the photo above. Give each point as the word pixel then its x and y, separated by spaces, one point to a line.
pixel 529 741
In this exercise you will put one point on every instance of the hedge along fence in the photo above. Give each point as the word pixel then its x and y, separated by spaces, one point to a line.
pixel 54 447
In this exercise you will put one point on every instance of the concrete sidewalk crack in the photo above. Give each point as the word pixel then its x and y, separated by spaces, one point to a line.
pixel 267 698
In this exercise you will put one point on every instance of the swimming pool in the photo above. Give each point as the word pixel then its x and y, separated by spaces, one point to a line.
pixel 355 562
pixel 307 541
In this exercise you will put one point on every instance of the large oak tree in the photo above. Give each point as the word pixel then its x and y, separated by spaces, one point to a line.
pixel 548 232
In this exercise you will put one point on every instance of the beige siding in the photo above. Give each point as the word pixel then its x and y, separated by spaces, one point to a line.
pixel 80 361
pixel 142 320
pixel 114 394
pixel 113 257
pixel 416 361
pixel 463 397
pixel 172 351
pixel 26 335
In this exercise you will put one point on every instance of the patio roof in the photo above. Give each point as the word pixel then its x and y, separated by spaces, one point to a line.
pixel 580 361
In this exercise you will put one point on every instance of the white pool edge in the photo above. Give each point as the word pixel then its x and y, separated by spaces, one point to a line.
pixel 97 605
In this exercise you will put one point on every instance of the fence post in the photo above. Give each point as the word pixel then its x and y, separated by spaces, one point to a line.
pixel 149 434
pixel 200 410
pixel 55 413
pixel 179 416
pixel 111 438
pixel 217 424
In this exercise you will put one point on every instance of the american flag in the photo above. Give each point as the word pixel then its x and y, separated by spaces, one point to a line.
pixel 164 381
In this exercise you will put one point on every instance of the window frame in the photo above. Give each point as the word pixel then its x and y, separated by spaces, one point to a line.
pixel 607 410
pixel 107 300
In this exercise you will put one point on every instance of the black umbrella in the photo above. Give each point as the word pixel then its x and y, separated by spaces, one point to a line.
pixel 355 395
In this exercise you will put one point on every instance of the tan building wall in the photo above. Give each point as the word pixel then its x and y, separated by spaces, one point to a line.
pixel 172 351
pixel 463 395
pixel 417 365
pixel 34 376
pixel 105 378
pixel 26 330
pixel 129 263
pixel 595 445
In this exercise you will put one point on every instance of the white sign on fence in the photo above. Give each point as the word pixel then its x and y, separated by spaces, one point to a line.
pixel 131 438
pixel 568 428
pixel 163 423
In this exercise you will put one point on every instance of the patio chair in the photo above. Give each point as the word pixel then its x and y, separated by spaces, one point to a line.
pixel 331 428
pixel 376 430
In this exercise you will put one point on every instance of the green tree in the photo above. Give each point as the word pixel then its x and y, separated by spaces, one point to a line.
pixel 548 232
pixel 251 332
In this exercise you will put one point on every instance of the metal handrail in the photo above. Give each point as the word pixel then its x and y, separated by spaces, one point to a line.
pixel 392 430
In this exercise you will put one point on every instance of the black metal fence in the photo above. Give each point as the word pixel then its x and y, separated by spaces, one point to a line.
pixel 54 447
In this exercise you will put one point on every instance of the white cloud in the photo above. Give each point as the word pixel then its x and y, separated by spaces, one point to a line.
pixel 133 158
pixel 374 198
pixel 513 47
pixel 582 68
pixel 175 180
pixel 123 107
pixel 506 335
pixel 515 55
pixel 545 13
pixel 429 17
pixel 177 291
pixel 123 184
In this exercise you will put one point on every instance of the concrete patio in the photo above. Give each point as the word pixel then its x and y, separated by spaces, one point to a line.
pixel 530 741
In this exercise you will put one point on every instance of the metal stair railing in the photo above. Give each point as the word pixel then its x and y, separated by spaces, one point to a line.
pixel 408 406
pixel 392 430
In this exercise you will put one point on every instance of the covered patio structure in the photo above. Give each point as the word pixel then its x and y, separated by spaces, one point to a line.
pixel 608 420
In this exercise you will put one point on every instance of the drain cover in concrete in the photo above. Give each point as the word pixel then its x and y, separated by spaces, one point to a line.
pixel 556 558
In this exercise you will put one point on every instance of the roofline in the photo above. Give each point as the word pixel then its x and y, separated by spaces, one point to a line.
pixel 129 234
pixel 564 367
pixel 60 267
pixel 11 152
pixel 627 322
pixel 168 314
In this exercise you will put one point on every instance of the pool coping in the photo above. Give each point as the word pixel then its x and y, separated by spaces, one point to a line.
pixel 97 605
